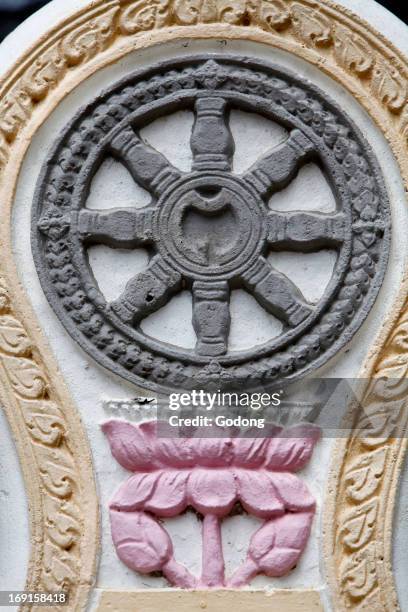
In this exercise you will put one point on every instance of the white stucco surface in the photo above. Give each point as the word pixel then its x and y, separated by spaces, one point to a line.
pixel 91 385
pixel 14 527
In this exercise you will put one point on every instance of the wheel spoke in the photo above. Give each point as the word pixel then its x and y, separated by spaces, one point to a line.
pixel 148 167
pixel 147 292
pixel 305 231
pixel 211 139
pixel 121 227
pixel 276 293
pixel 211 317
pixel 278 168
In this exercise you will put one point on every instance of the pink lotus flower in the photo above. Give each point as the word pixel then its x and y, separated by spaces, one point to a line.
pixel 275 548
pixel 140 541
pixel 145 546
pixel 211 475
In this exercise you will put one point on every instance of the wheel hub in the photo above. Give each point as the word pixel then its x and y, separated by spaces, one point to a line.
pixel 210 226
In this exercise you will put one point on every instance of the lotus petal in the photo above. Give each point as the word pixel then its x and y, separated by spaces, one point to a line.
pixel 170 495
pixel 212 452
pixel 263 541
pixel 292 491
pixel 277 545
pixel 175 452
pixel 293 530
pixel 141 543
pixel 279 561
pixel 212 491
pixel 293 450
pixel 135 491
pixel 258 495
pixel 250 452
pixel 130 445
pixel 149 430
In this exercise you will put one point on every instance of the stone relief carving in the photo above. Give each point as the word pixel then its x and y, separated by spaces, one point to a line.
pixel 211 476
pixel 20 111
pixel 365 483
pixel 209 227
pixel 50 447
pixel 355 48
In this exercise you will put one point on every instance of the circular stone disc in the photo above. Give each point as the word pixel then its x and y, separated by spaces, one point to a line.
pixel 210 230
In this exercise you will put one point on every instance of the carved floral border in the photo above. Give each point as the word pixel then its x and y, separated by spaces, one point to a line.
pixel 52 444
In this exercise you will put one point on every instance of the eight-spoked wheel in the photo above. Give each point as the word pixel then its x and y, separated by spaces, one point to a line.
pixel 187 247
pixel 211 230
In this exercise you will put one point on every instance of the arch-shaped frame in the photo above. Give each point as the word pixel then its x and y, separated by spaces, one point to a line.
pixel 44 421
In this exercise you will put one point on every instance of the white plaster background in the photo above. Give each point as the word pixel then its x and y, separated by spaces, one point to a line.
pixel 14 524
pixel 89 383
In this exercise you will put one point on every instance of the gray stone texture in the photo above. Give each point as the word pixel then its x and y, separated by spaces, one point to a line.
pixel 209 230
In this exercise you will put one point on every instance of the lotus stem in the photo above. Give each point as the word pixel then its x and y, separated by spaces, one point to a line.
pixel 244 574
pixel 178 575
pixel 213 570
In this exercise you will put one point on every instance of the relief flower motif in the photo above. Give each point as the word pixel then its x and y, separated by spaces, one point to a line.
pixel 211 475
pixel 54 223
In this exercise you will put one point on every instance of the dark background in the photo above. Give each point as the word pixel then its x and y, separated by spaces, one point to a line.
pixel 13 12
pixel 398 7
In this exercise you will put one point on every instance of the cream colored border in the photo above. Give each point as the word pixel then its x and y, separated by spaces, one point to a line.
pixel 52 444
pixel 210 601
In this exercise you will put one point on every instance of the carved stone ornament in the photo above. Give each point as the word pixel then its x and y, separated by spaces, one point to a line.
pixel 213 476
pixel 374 72
pixel 209 228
